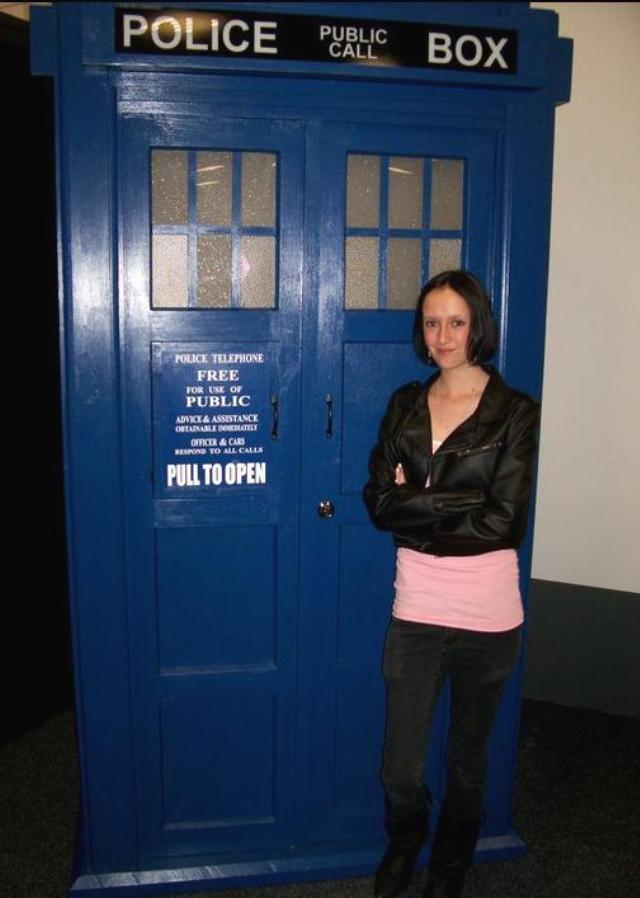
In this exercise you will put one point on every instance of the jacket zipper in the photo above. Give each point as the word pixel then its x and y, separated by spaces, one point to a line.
pixel 476 450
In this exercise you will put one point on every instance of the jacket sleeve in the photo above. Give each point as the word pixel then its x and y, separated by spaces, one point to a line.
pixel 501 521
pixel 410 508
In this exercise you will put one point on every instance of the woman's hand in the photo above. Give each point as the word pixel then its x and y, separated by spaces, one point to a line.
pixel 400 477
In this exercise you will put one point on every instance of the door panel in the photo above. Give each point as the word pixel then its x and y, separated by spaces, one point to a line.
pixel 186 559
pixel 357 349
pixel 210 398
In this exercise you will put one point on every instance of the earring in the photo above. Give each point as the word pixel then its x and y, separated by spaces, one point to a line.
pixel 429 357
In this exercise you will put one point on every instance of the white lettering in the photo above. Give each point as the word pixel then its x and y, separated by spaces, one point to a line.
pixel 233 472
pixel 226 374
pixel 190 43
pixel 133 26
pixel 215 35
pixel 439 48
pixel 236 358
pixel 190 358
pixel 157 38
pixel 349 34
pixel 218 401
pixel 475 42
pixel 263 32
pixel 212 474
pixel 226 36
pixel 183 475
pixel 496 55
pixel 238 472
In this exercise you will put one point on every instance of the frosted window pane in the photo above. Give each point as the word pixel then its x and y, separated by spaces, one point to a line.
pixel 361 273
pixel 169 271
pixel 214 188
pixel 443 255
pixel 258 272
pixel 259 189
pixel 363 192
pixel 446 194
pixel 168 187
pixel 405 192
pixel 403 273
pixel 214 271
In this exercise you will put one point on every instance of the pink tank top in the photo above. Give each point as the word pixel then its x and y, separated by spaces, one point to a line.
pixel 468 592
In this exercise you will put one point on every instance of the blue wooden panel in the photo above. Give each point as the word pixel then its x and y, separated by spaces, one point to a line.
pixel 223 775
pixel 214 609
pixel 215 582
pixel 366 571
pixel 369 370
pixel 359 727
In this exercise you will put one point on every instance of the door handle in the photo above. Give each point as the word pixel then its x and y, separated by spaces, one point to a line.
pixel 326 509
pixel 329 430
pixel 275 417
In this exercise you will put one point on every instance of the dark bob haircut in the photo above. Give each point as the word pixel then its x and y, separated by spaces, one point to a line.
pixel 483 333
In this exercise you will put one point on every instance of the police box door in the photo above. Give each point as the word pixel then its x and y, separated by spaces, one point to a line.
pixel 269 271
pixel 390 210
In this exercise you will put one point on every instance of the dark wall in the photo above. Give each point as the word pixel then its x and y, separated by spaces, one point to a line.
pixel 35 640
pixel 583 647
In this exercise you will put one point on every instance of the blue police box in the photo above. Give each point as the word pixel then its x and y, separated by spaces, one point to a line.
pixel 250 196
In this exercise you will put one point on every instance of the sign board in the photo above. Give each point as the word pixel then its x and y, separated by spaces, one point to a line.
pixel 213 420
pixel 270 37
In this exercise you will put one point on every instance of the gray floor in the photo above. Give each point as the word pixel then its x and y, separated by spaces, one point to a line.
pixel 577 807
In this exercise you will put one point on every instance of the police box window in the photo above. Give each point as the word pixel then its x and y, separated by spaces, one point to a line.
pixel 214 229
pixel 404 223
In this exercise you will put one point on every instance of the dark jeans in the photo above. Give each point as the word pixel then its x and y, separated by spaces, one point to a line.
pixel 417 659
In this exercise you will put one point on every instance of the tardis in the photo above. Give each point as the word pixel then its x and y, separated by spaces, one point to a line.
pixel 250 196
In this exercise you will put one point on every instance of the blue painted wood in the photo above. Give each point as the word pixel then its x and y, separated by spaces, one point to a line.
pixel 215 606
pixel 227 650
pixel 315 867
pixel 537 30
pixel 352 356
pixel 92 445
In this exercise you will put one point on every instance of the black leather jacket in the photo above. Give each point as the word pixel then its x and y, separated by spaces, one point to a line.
pixel 480 477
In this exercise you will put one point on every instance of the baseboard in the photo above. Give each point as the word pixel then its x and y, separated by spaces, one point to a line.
pixel 268 871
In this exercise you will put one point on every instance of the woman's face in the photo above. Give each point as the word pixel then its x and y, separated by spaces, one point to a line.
pixel 446 323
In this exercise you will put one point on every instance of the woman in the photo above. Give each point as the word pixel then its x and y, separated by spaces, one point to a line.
pixel 450 478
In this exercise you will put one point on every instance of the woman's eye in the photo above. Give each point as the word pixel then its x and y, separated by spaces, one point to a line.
pixel 459 323
pixel 430 324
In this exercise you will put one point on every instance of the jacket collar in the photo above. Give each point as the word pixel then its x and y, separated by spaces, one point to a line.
pixel 492 406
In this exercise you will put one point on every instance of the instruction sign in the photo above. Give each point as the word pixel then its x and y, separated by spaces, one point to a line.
pixel 212 418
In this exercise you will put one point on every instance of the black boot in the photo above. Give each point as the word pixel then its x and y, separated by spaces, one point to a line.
pixel 407 835
pixel 451 856
pixel 394 871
